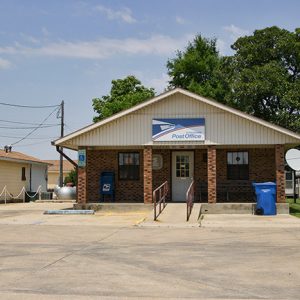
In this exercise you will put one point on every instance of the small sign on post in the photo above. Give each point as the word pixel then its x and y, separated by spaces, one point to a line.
pixel 82 158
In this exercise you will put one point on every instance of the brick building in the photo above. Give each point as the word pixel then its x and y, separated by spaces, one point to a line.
pixel 181 137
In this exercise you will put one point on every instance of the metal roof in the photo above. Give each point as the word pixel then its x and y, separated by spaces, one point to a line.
pixel 161 97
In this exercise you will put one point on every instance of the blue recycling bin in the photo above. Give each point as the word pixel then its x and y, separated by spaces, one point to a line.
pixel 265 198
pixel 107 185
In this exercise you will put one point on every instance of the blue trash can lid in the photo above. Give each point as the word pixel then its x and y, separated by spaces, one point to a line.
pixel 264 183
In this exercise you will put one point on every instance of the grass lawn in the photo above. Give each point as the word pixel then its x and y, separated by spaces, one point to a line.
pixel 294 207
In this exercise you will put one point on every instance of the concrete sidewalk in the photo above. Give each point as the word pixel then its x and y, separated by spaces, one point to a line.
pixel 249 221
pixel 33 214
pixel 92 262
pixel 174 215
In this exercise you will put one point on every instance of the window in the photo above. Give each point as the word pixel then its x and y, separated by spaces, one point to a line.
pixel 237 165
pixel 23 178
pixel 182 166
pixel 129 166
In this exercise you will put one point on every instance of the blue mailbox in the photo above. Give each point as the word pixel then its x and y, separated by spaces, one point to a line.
pixel 107 184
pixel 265 198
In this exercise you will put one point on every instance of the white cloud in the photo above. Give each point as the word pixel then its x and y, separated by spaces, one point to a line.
pixel 235 32
pixel 45 31
pixel 123 14
pixel 222 46
pixel 159 84
pixel 180 20
pixel 4 64
pixel 103 48
pixel 232 33
pixel 29 38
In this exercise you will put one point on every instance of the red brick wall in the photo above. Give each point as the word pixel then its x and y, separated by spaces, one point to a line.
pixel 200 175
pixel 261 164
pixel 107 160
pixel 164 174
pixel 280 178
pixel 211 174
pixel 147 175
pixel 81 186
pixel 261 169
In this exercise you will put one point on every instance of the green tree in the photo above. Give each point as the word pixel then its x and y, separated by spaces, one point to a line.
pixel 264 76
pixel 198 69
pixel 71 177
pixel 124 94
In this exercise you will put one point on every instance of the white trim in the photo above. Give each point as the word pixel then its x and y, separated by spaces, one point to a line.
pixel 23 161
pixel 170 93
pixel 113 117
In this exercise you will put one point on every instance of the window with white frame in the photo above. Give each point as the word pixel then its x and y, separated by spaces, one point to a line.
pixel 238 165
pixel 129 166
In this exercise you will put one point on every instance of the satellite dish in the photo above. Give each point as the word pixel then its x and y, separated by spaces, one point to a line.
pixel 292 158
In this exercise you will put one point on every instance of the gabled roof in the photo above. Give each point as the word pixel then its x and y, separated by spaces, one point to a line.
pixel 20 157
pixel 167 94
pixel 67 166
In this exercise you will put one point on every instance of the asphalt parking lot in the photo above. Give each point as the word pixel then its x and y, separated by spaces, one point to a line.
pixel 56 257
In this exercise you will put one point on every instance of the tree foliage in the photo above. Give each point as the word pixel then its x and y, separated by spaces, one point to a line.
pixel 124 94
pixel 265 80
pixel 71 177
pixel 198 69
pixel 261 78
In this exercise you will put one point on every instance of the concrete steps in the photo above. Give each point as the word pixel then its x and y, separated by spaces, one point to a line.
pixel 116 207
pixel 238 208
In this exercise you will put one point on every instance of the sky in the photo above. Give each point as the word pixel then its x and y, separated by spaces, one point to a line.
pixel 71 50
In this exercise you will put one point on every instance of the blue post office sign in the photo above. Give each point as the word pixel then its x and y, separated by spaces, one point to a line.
pixel 173 130
pixel 81 158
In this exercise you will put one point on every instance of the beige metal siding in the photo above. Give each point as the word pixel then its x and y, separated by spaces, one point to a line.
pixel 11 175
pixel 221 127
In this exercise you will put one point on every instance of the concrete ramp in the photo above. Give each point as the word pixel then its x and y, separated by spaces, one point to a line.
pixel 174 215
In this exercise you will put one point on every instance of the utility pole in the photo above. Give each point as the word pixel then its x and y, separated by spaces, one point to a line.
pixel 62 119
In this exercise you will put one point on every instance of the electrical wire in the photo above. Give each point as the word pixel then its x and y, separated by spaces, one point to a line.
pixel 36 128
pixel 29 106
pixel 26 123
pixel 32 144
pixel 43 126
pixel 30 138
pixel 69 128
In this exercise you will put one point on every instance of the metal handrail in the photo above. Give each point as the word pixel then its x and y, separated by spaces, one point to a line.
pixel 190 200
pixel 161 192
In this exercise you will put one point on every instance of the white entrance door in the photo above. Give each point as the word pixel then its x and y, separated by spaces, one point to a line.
pixel 182 173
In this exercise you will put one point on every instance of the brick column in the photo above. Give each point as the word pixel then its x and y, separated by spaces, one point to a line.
pixel 212 174
pixel 280 180
pixel 82 186
pixel 147 175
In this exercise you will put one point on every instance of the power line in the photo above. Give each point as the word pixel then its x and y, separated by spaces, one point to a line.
pixel 36 128
pixel 30 138
pixel 70 129
pixel 28 106
pixel 32 144
pixel 43 126
pixel 28 123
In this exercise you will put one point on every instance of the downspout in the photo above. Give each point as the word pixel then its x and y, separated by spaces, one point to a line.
pixel 73 163
pixel 66 157
pixel 30 178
